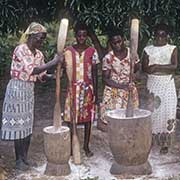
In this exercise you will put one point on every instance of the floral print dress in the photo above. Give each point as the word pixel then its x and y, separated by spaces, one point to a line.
pixel 18 105
pixel 113 97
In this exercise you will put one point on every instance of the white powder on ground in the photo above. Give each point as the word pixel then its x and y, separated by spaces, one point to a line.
pixel 99 165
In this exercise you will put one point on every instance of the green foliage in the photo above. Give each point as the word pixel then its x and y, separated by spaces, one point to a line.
pixel 104 14
pixel 49 46
pixel 17 14
pixel 7 44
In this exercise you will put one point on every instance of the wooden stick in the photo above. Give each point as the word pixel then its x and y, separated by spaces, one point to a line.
pixel 133 53
pixel 75 140
pixel 60 46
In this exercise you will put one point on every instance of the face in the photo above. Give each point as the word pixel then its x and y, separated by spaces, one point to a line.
pixel 81 36
pixel 161 37
pixel 38 39
pixel 117 43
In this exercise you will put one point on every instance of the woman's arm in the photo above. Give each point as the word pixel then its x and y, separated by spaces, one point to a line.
pixel 100 49
pixel 169 68
pixel 137 67
pixel 111 83
pixel 137 64
pixel 150 69
pixel 57 59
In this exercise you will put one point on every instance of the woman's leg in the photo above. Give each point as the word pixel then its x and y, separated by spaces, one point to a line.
pixel 164 143
pixel 18 149
pixel 87 134
pixel 19 152
pixel 26 144
pixel 70 127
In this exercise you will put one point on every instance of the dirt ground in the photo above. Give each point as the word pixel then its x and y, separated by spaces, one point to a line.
pixel 95 168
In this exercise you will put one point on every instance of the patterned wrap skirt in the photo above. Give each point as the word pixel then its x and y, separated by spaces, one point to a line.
pixel 163 117
pixel 18 110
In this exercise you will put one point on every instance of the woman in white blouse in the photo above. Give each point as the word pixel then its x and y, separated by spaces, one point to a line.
pixel 160 63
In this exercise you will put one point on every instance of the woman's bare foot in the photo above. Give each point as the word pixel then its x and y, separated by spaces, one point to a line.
pixel 88 153
pixel 164 150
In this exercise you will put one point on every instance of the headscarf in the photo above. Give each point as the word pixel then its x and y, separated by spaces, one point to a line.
pixel 33 28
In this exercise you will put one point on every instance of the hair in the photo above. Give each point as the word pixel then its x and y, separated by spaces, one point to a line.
pixel 115 32
pixel 80 26
pixel 163 27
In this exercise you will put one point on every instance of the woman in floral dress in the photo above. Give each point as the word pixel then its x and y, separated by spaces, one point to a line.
pixel 116 72
pixel 18 108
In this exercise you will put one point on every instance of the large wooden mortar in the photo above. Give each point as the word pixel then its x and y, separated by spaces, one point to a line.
pixel 57 150
pixel 130 141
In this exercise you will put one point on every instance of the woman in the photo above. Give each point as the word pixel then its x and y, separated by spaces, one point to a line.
pixel 160 62
pixel 116 73
pixel 81 68
pixel 18 108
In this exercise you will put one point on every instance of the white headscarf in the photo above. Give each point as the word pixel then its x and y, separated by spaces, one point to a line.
pixel 33 28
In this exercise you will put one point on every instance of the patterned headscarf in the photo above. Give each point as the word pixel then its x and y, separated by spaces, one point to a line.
pixel 33 28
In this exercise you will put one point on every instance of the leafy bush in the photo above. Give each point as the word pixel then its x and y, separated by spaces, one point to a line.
pixel 7 44
pixel 28 10
pixel 104 14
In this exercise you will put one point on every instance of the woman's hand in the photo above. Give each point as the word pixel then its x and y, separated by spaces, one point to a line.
pixel 136 58
pixel 153 68
pixel 126 86
pixel 130 86
pixel 58 58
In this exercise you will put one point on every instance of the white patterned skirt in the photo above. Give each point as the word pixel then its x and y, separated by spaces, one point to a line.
pixel 18 110
pixel 164 117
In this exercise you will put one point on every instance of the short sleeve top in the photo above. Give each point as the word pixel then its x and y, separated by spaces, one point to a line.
pixel 23 63
pixel 119 69
pixel 159 54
